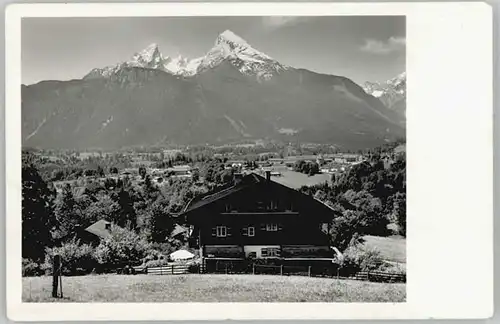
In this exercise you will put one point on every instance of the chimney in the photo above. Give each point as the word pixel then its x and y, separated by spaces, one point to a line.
pixel 237 177
pixel 268 175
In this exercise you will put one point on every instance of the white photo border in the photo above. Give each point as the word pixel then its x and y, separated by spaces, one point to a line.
pixel 449 127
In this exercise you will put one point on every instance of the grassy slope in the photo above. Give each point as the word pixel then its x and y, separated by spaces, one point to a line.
pixel 211 288
pixel 392 248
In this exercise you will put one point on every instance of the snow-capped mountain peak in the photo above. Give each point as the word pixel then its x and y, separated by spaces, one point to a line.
pixel 235 50
pixel 392 92
pixel 229 37
pixel 150 57
pixel 228 47
pixel 396 84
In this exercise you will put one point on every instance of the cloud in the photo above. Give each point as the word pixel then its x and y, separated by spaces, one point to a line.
pixel 393 44
pixel 275 22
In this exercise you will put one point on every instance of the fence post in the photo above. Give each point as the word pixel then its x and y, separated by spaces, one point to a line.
pixel 226 268
pixel 60 279
pixel 253 268
pixel 309 271
pixel 55 274
pixel 281 269
pixel 172 269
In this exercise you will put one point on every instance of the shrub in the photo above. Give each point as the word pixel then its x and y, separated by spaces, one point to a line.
pixel 393 268
pixel 122 246
pixel 75 258
pixel 31 268
pixel 156 263
pixel 194 267
pixel 360 258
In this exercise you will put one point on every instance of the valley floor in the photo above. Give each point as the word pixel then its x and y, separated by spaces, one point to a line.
pixel 296 180
pixel 210 288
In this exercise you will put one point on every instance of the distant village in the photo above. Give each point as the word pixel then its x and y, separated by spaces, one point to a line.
pixel 329 164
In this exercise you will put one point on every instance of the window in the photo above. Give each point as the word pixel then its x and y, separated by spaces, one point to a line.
pixel 270 252
pixel 251 231
pixel 271 227
pixel 273 205
pixel 221 231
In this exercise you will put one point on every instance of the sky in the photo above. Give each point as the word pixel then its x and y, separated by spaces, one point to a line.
pixel 362 48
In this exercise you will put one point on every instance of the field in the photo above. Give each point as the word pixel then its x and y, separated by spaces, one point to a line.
pixel 296 180
pixel 211 288
pixel 392 248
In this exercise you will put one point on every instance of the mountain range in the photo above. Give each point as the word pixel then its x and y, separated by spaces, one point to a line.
pixel 233 93
pixel 392 93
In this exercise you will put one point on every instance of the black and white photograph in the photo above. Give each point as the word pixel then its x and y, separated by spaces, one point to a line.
pixel 248 158
pixel 235 159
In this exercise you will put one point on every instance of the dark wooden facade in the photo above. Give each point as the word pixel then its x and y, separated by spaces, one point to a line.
pixel 259 218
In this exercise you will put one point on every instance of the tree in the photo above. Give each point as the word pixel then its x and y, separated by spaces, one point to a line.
pixel 332 178
pixel 161 224
pixel 195 175
pixel 104 208
pixel 37 214
pixel 151 191
pixel 371 220
pixel 142 172
pixel 121 246
pixel 100 171
pixel 126 203
pixel 313 168
pixel 400 211
pixel 344 229
pixel 66 211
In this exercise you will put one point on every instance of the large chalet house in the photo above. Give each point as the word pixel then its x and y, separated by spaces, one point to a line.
pixel 257 218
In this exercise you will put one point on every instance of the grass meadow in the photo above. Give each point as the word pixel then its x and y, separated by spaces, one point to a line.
pixel 392 248
pixel 210 288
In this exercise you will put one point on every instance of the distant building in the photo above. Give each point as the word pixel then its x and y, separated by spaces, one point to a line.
pixel 275 161
pixel 90 235
pixel 181 171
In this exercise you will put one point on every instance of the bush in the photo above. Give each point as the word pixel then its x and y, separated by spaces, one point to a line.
pixel 155 263
pixel 31 268
pixel 393 268
pixel 121 247
pixel 75 258
pixel 194 268
pixel 358 258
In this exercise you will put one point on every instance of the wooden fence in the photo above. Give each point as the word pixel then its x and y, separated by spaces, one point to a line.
pixel 174 269
pixel 284 270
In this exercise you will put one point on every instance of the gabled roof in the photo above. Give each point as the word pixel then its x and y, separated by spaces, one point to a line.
pixel 247 181
pixel 99 229
pixel 178 229
pixel 206 199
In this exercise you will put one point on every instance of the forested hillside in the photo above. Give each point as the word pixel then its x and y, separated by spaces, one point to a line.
pixel 370 198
